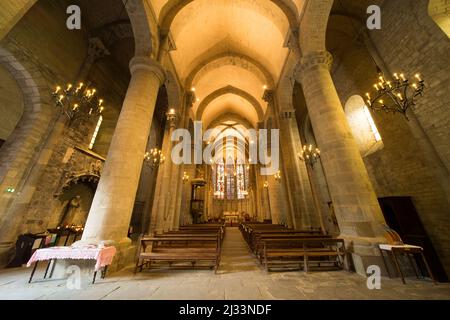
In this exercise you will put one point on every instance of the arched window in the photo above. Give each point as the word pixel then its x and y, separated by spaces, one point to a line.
pixel 363 126
pixel 219 191
pixel 240 182
pixel 230 181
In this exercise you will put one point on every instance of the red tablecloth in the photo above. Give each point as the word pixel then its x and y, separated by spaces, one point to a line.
pixel 103 256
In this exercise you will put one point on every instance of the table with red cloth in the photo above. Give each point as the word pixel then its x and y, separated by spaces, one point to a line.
pixel 102 255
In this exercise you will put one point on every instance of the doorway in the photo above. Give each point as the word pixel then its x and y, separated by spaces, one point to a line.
pixel 401 215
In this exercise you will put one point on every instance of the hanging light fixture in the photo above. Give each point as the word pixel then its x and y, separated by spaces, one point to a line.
pixel 78 102
pixel 277 176
pixel 154 158
pixel 310 155
pixel 395 96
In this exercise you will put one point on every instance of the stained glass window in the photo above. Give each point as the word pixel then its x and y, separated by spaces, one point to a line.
pixel 220 181
pixel 240 181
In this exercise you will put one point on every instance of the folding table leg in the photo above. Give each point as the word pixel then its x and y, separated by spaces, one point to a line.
pixel 398 266
pixel 411 262
pixel 428 267
pixel 48 267
pixel 32 272
pixel 385 264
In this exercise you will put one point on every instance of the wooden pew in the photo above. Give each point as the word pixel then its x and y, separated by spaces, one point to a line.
pixel 289 253
pixel 172 249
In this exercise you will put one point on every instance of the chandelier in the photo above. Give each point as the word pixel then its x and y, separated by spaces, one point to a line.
pixel 394 96
pixel 78 102
pixel 310 155
pixel 154 158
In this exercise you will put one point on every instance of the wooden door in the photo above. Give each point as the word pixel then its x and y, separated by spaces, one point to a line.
pixel 401 215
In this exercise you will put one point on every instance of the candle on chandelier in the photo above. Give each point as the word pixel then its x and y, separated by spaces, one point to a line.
pixel 402 76
pixel 418 77
pixel 69 86
pixel 396 76
pixel 58 88
pixel 75 107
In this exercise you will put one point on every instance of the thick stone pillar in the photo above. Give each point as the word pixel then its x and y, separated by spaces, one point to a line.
pixel 161 219
pixel 360 218
pixel 112 206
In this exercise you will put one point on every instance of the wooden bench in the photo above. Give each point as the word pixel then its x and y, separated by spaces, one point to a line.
pixel 260 239
pixel 172 249
pixel 286 253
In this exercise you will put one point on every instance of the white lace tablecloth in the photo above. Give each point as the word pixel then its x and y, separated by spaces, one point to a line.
pixel 103 256
pixel 389 247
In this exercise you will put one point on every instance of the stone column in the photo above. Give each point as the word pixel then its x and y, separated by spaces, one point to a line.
pixel 358 212
pixel 112 206
pixel 160 218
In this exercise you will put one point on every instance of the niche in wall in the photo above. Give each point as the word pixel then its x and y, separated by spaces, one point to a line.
pixel 75 203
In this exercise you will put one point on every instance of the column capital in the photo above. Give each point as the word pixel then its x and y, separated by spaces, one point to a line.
pixel 149 65
pixel 313 60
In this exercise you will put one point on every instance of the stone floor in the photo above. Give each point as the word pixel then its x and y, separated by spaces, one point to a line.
pixel 239 278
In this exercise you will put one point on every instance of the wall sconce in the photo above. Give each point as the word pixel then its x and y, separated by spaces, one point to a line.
pixel 185 177
pixel 278 176
pixel 266 184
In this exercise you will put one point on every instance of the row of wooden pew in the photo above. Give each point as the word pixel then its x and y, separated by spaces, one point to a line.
pixel 279 248
pixel 192 246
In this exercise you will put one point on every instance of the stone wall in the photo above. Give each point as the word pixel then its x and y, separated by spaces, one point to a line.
pixel 409 42
pixel 46 47
pixel 11 103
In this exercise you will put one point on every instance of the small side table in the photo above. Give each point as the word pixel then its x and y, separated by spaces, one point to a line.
pixel 404 249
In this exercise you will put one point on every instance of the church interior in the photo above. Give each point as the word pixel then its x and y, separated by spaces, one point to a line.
pixel 224 150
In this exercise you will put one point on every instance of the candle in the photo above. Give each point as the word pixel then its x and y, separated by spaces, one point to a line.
pixel 402 76
pixel 396 76
pixel 418 77
pixel 376 87
pixel 58 88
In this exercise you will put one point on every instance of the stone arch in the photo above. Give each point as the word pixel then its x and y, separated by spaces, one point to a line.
pixel 20 148
pixel 229 89
pixel 173 7
pixel 313 26
pixel 439 11
pixel 231 59
pixel 231 117
pixel 145 36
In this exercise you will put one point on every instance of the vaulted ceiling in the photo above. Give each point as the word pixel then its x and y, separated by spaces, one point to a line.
pixel 229 52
